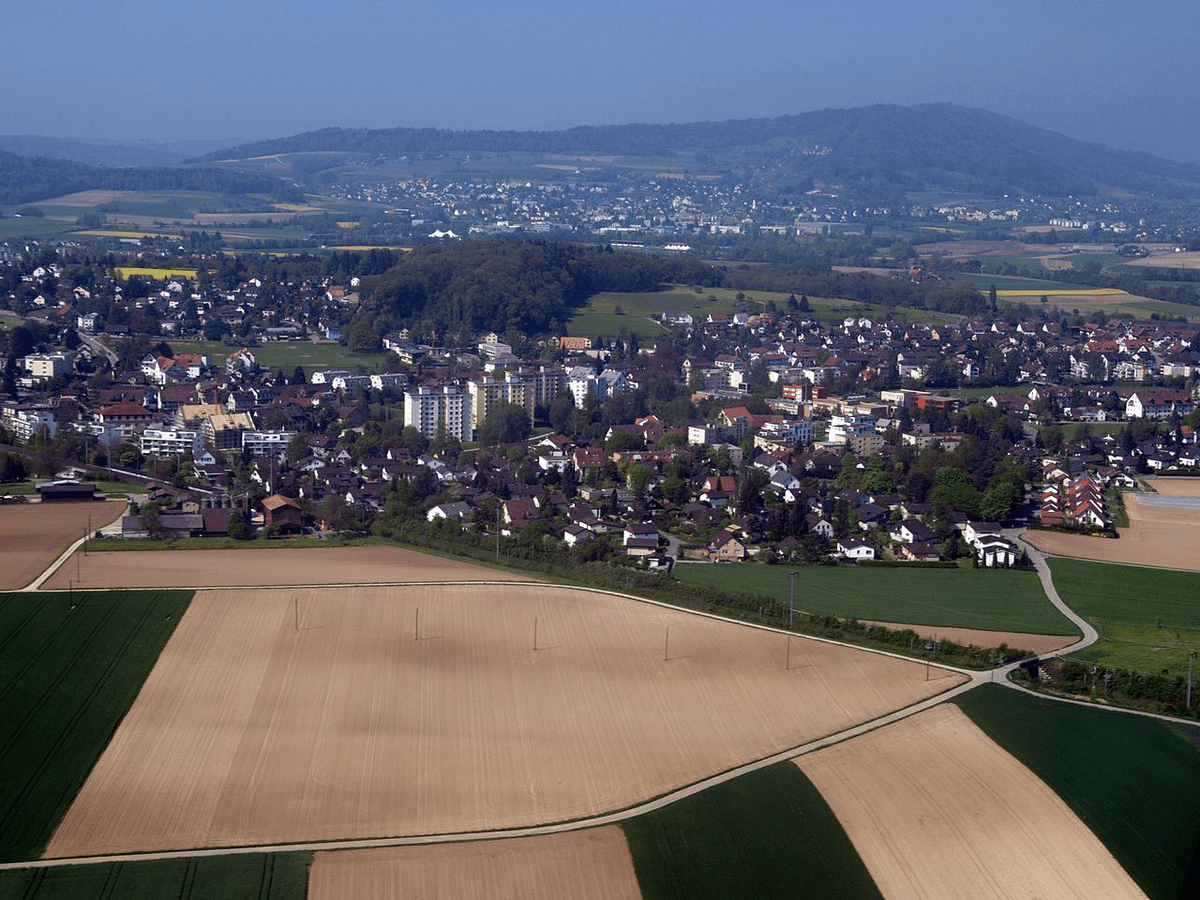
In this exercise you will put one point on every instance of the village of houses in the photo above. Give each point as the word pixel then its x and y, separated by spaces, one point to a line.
pixel 720 483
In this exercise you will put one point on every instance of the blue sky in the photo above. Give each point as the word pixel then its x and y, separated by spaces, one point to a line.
pixel 1123 74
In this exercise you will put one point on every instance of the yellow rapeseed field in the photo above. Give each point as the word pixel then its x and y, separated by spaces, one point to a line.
pixel 124 272
pixel 1062 292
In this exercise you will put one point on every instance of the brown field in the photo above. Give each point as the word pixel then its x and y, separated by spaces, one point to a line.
pixel 1181 487
pixel 34 534
pixel 249 731
pixel 1187 260
pixel 89 198
pixel 1160 536
pixel 579 865
pixel 238 568
pixel 937 810
pixel 1038 643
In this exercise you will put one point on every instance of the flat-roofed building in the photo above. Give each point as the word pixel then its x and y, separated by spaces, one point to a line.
pixel 171 442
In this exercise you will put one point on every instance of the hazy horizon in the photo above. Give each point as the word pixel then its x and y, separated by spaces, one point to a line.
pixel 216 70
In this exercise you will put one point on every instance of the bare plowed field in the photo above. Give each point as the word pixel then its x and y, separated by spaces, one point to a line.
pixel 427 709
pixel 32 536
pixel 1183 487
pixel 937 810
pixel 580 865
pixel 1038 643
pixel 1163 536
pixel 236 568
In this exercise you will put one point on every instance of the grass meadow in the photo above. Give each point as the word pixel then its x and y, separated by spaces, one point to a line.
pixel 287 355
pixel 987 599
pixel 599 316
pixel 765 834
pixel 67 677
pixel 1133 781
pixel 247 876
pixel 29 488
pixel 1148 619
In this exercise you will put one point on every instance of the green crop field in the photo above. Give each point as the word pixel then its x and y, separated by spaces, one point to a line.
pixel 1134 781
pixel 987 599
pixel 765 834
pixel 1148 619
pixel 67 677
pixel 243 876
pixel 32 226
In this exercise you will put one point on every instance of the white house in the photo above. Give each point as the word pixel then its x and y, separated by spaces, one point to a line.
pixel 856 549
pixel 996 552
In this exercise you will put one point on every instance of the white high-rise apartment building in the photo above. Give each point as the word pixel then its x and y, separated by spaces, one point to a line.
pixel 449 407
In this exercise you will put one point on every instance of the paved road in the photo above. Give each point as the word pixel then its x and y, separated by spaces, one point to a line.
pixel 98 348
pixel 1038 558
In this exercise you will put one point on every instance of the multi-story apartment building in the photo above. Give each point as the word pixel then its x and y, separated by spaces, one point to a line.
pixel 171 442
pixel 266 443
pixel 528 388
pixel 44 366
pixel 583 381
pixel 446 408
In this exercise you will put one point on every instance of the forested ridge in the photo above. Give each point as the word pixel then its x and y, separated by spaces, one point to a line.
pixel 888 148
pixel 26 179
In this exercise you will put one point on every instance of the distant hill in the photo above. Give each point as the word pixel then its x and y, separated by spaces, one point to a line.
pixel 26 179
pixel 100 152
pixel 880 150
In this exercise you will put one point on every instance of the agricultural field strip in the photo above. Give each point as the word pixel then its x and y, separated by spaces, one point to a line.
pixel 1175 720
pixel 1176 501
pixel 975 679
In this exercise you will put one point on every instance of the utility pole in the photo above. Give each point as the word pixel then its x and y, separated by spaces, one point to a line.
pixel 792 609
pixel 1191 661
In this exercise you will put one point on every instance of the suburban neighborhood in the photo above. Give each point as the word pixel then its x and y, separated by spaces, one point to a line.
pixel 763 434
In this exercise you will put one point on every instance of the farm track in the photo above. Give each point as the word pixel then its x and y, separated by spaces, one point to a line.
pixel 974 679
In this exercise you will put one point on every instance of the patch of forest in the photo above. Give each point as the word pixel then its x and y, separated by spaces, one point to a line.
pixel 534 287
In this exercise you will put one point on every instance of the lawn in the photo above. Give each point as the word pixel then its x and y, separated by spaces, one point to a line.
pixel 987 599
pixel 248 876
pixel 766 834
pixel 1148 619
pixel 67 677
pixel 1132 780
